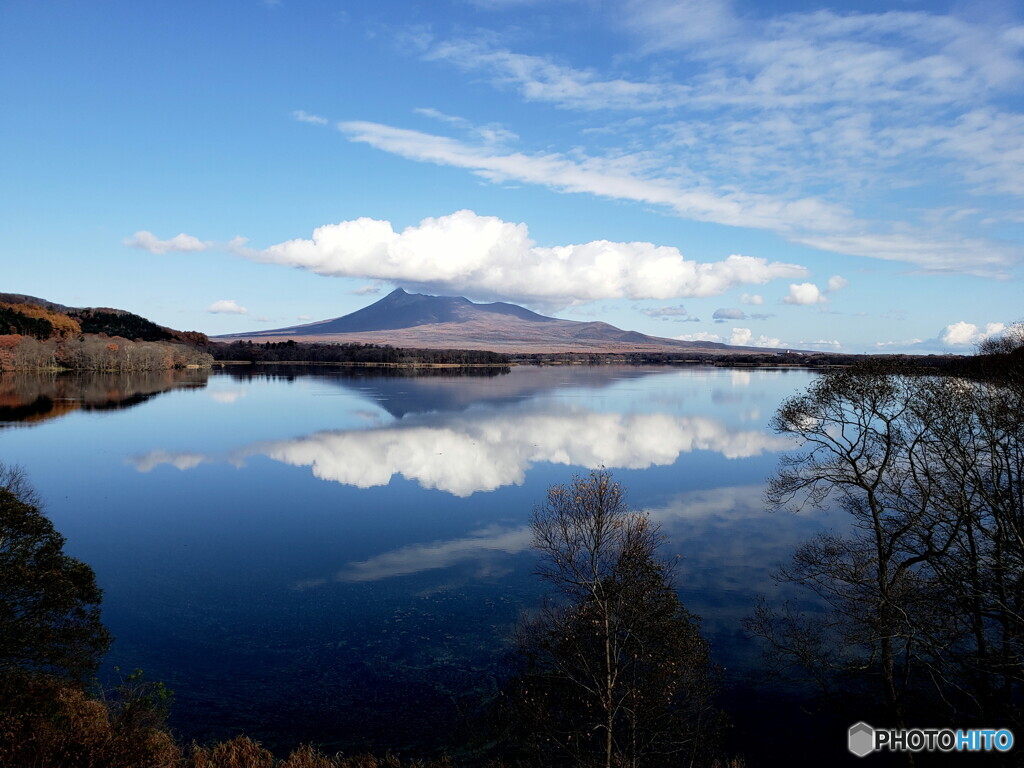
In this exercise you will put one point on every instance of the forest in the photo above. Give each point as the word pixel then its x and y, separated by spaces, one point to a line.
pixel 38 337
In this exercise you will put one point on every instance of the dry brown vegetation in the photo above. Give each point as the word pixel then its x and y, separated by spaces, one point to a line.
pixel 95 353
pixel 56 726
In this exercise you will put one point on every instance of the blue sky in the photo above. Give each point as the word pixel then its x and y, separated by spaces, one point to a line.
pixel 846 177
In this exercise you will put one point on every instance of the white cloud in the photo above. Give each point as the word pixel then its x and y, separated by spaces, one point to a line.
pixel 227 307
pixel 491 134
pixel 180 243
pixel 830 345
pixel 804 294
pixel 490 258
pixel 752 298
pixel 367 290
pixel 304 318
pixel 539 79
pixel 305 117
pixel 905 343
pixel 744 337
pixel 837 283
pixel 962 334
pixel 700 336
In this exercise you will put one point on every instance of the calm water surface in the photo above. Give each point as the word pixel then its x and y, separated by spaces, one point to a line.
pixel 340 556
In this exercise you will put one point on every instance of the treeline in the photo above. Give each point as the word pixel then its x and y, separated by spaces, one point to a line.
pixel 370 354
pixel 96 353
pixel 946 363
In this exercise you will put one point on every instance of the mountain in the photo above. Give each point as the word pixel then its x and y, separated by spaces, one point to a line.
pixel 416 320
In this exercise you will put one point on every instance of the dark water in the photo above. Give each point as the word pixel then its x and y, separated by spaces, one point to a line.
pixel 315 554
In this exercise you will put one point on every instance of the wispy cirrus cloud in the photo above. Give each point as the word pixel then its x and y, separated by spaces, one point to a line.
pixel 807 220
pixel 305 117
pixel 617 178
pixel 678 314
pixel 799 123
pixel 538 78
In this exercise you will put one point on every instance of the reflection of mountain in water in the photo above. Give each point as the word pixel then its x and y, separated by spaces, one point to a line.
pixel 403 391
pixel 30 398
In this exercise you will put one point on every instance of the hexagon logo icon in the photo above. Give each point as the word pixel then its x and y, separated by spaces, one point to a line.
pixel 861 739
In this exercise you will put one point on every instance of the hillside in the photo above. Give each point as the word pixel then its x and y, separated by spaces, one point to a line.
pixel 40 334
pixel 453 322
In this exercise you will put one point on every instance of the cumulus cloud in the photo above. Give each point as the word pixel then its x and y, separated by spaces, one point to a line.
pixel 744 337
pixel 804 294
pixel 227 307
pixel 752 298
pixel 305 117
pixel 180 243
pixel 959 337
pixel 490 258
pixel 963 334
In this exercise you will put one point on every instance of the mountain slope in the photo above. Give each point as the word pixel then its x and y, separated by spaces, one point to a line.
pixel 438 322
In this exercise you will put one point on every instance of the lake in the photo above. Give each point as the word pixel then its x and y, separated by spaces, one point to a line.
pixel 340 555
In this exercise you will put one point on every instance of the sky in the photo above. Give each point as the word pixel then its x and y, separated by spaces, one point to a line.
pixel 845 177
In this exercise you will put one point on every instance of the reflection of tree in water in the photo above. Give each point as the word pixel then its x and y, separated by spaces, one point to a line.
pixel 28 398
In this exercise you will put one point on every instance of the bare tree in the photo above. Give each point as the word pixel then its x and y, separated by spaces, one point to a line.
pixel 615 672
pixel 926 592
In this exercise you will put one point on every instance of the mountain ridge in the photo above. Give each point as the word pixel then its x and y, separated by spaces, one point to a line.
pixel 434 322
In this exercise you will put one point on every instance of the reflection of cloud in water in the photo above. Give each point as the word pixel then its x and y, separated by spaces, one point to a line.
pixel 740 378
pixel 479 545
pixel 226 396
pixel 484 452
pixel 153 459
pixel 719 516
